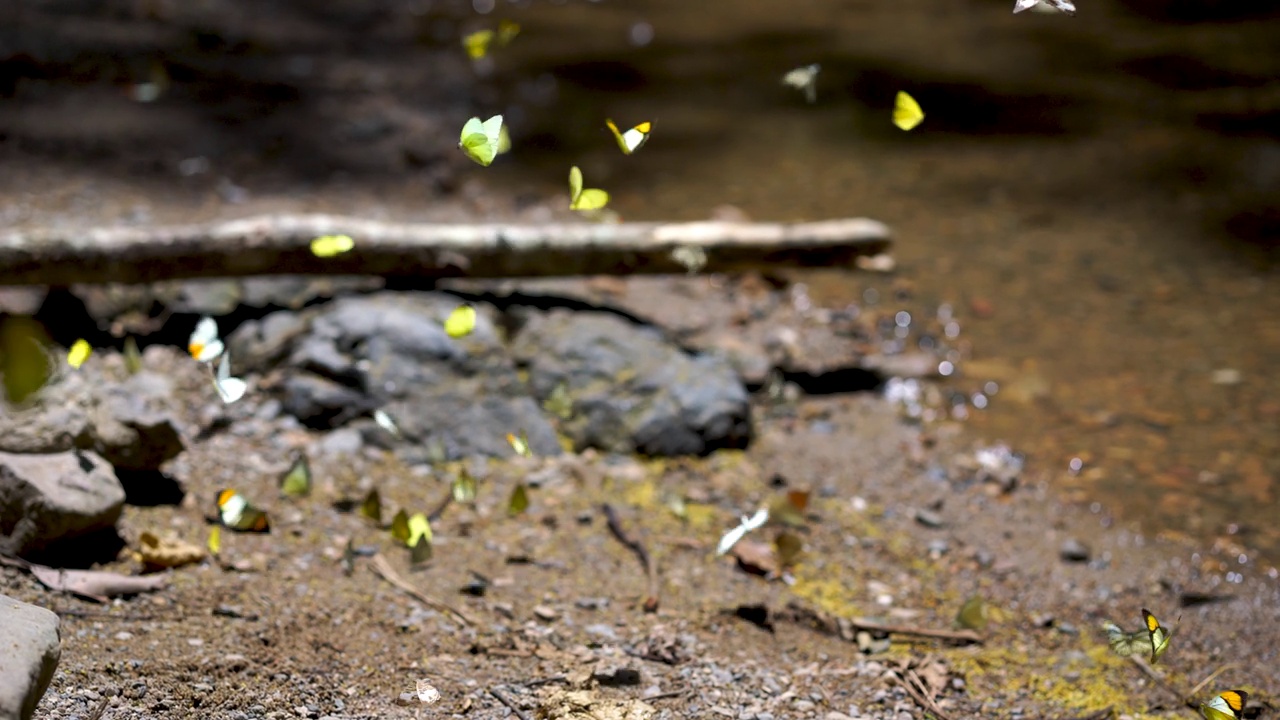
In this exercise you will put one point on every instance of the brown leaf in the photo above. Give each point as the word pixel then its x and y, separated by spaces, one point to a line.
pixel 756 557
pixel 167 553
pixel 94 584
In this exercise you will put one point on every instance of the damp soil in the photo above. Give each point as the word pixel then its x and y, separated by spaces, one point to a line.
pixel 1090 199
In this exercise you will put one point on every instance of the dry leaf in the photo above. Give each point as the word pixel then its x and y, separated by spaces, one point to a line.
pixel 94 584
pixel 167 553
pixel 756 557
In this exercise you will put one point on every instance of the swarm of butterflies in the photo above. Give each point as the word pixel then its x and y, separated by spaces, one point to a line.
pixel 483 141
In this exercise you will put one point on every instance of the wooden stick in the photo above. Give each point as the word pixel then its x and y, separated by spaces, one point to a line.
pixel 280 244
pixel 651 572
pixel 502 698
pixel 845 627
pixel 383 568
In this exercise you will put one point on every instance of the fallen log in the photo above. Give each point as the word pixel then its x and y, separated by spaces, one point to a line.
pixel 280 244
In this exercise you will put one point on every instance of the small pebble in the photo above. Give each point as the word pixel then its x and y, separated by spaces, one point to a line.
pixel 1074 550
pixel 928 518
pixel 546 614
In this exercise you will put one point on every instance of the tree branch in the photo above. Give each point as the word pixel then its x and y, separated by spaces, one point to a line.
pixel 280 244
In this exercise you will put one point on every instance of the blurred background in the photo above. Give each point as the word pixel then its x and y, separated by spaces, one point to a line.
pixel 1093 198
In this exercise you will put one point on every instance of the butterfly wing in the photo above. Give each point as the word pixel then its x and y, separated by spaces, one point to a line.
pixel 1228 705
pixel 906 112
pixel 1124 643
pixel 296 481
pixel 1158 634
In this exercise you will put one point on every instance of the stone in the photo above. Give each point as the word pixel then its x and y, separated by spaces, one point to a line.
pixel 451 398
pixel 130 421
pixel 1074 550
pixel 628 389
pixel 47 498
pixel 29 650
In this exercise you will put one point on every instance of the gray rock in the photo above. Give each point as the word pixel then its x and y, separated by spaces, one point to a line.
pixel 630 390
pixel 29 652
pixel 46 498
pixel 450 398
pixel 132 422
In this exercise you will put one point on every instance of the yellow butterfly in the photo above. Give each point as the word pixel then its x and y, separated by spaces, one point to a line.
pixel 477 43
pixel 329 245
pixel 80 351
pixel 633 139
pixel 235 512
pixel 906 112
pixel 1154 639
pixel 461 321
pixel 589 199
pixel 519 501
pixel 464 488
pixel 480 140
pixel 419 538
pixel 1228 705
pixel 400 526
pixel 296 481
pixel 371 507
pixel 215 540
pixel 132 356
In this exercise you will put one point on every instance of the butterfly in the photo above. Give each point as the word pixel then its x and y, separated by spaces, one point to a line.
pixel 296 480
pixel 371 506
pixel 230 389
pixel 235 512
pixel 79 352
pixel 633 139
pixel 1066 7
pixel 732 537
pixel 1228 705
pixel 132 356
pixel 477 43
pixel 480 140
pixel 461 321
pixel 519 501
pixel 589 199
pixel 1154 639
pixel 204 344
pixel 906 112
pixel 464 488
pixel 385 422
pixel 329 245
pixel 804 78
pixel 520 443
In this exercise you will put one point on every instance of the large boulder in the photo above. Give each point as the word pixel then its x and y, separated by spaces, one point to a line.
pixel 627 389
pixel 48 498
pixel 29 651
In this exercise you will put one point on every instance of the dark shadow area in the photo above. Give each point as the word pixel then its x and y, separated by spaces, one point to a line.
pixel 83 552
pixel 149 488
pixel 1183 72
pixel 844 380
pixel 1199 11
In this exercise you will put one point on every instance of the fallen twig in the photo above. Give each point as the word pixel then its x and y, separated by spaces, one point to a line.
pixel 274 244
pixel 502 698
pixel 383 568
pixel 847 627
pixel 98 710
pixel 915 687
pixel 651 572
pixel 1195 690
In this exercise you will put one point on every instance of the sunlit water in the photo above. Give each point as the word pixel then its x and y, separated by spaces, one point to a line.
pixel 1058 194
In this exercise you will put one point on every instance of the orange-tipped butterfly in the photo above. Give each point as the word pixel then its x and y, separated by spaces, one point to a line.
pixel 1228 705
pixel 235 512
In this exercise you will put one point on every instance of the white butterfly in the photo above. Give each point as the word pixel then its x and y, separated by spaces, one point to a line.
pixel 805 78
pixel 1066 7
pixel 732 537
pixel 204 344
pixel 427 692
pixel 230 389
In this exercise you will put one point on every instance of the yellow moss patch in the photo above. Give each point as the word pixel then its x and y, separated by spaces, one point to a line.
pixel 1006 669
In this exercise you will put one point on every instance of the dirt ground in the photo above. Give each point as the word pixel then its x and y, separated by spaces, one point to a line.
pixel 279 628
